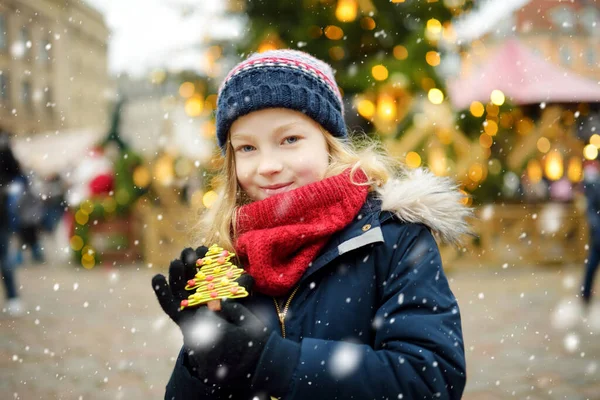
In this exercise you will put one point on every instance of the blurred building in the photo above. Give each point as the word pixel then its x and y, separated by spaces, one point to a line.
pixel 543 56
pixel 564 33
pixel 53 66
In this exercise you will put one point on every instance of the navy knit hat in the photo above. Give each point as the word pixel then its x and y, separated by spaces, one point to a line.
pixel 280 79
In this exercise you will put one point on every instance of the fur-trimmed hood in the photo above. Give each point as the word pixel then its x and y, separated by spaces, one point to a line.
pixel 421 197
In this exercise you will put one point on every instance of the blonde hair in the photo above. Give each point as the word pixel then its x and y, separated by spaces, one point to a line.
pixel 217 224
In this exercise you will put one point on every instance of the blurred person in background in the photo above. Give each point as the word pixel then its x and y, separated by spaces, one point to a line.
pixel 9 172
pixel 53 190
pixel 27 211
pixel 591 187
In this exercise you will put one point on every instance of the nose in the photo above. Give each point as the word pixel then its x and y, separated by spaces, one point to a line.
pixel 269 164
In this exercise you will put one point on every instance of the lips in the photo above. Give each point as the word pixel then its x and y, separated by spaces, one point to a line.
pixel 278 186
pixel 275 189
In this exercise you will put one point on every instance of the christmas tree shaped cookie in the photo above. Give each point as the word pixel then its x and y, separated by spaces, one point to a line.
pixel 215 280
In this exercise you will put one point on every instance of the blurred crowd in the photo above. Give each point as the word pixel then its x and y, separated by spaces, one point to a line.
pixel 30 206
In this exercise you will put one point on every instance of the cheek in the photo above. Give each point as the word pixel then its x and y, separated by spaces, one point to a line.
pixel 243 175
pixel 312 168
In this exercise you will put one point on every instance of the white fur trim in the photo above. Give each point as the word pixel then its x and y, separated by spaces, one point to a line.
pixel 422 197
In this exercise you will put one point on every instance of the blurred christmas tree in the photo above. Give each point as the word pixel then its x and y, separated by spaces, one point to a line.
pixel 385 53
pixel 111 194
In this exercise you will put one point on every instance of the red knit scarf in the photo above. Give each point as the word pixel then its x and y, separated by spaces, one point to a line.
pixel 279 237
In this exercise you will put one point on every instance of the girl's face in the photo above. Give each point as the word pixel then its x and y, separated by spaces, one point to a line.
pixel 277 150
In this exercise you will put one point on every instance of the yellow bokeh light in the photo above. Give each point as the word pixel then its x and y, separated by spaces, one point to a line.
pixel 553 167
pixel 497 97
pixel 435 96
pixel 333 32
pixel 367 23
pixel 466 198
pixel 315 31
pixel 595 140
pixel 398 1
pixel 164 171
pixel 209 198
pixel 346 10
pixel 88 261
pixel 336 53
pixel 534 170
pixel 186 89
pixel 87 207
pixel 81 218
pixel 444 135
pixel 525 126
pixel 434 26
pixel 109 205
pixel 476 172
pixel 379 72
pixel 506 120
pixel 437 161
pixel 88 250
pixel 494 166
pixel 267 45
pixel 211 102
pixel 490 127
pixel 575 169
pixel 76 242
pixel 141 177
pixel 590 152
pixel 209 129
pixel 366 108
pixel 492 110
pixel 386 107
pixel 476 109
pixel 486 140
pixel 400 52
pixel 413 160
pixel 432 58
pixel 543 145
pixel 194 106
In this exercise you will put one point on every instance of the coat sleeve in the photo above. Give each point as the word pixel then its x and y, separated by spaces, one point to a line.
pixel 418 350
pixel 183 386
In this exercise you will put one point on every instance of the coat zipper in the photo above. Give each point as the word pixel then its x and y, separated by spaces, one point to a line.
pixel 282 314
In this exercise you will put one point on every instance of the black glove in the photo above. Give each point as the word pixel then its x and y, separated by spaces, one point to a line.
pixel 180 271
pixel 239 340
pixel 170 296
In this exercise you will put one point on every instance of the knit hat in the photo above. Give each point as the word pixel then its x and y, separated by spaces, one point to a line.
pixel 280 79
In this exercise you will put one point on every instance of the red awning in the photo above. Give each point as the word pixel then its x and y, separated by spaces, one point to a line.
pixel 524 78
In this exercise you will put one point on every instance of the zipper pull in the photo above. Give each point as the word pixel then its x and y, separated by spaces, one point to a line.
pixel 281 317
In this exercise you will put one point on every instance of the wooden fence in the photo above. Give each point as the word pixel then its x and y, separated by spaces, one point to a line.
pixel 523 234
pixel 511 234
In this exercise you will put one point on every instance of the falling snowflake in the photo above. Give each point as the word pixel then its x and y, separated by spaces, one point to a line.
pixel 344 360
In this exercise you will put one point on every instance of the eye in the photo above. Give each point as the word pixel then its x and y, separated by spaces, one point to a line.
pixel 245 148
pixel 291 139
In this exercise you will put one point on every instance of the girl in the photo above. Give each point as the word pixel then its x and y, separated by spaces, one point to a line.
pixel 350 300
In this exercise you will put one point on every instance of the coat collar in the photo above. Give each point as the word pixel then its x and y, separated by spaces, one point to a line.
pixel 417 197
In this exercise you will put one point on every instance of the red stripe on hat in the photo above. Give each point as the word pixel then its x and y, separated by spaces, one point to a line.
pixel 284 60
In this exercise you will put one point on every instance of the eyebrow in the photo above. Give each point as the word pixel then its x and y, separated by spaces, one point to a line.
pixel 279 130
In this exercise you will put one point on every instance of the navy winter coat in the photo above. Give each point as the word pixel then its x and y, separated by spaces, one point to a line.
pixel 373 317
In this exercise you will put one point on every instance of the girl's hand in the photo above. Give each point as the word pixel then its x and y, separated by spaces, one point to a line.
pixel 180 271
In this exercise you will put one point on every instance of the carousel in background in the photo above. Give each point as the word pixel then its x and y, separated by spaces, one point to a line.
pixel 546 128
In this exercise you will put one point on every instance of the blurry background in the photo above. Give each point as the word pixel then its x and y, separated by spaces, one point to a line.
pixel 109 107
